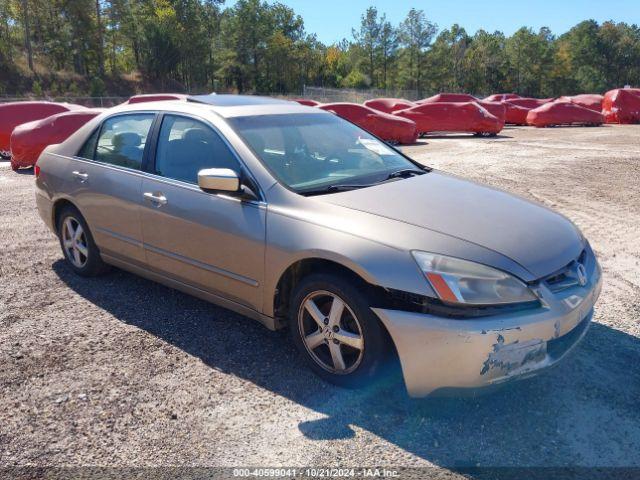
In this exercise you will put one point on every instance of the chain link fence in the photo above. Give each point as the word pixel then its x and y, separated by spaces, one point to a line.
pixel 92 102
pixel 320 94
pixel 330 95
pixel 102 102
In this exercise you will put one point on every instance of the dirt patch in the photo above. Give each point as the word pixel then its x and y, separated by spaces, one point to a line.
pixel 121 371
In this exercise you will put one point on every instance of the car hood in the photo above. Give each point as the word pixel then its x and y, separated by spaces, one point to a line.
pixel 538 239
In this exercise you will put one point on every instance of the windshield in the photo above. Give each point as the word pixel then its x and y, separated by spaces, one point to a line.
pixel 310 151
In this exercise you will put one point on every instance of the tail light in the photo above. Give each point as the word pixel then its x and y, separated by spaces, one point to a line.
pixel 36 170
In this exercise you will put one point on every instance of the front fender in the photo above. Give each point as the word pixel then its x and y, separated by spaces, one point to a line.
pixel 290 240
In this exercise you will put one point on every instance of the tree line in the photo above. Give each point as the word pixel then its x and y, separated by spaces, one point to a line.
pixel 99 46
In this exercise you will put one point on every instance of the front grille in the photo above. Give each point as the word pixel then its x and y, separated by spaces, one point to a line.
pixel 565 277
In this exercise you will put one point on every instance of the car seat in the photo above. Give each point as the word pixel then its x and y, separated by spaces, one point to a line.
pixel 126 149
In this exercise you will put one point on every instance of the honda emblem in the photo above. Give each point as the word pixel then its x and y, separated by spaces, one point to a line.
pixel 582 274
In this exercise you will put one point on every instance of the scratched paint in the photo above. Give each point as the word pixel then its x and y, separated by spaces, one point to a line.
pixel 512 356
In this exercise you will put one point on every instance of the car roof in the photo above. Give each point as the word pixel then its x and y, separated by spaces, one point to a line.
pixel 226 106
pixel 235 100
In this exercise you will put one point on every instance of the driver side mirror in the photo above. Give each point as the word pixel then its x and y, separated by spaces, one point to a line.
pixel 219 180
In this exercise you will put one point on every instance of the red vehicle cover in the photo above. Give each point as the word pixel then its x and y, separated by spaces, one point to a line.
pixel 515 114
pixel 30 139
pixel 622 106
pixel 389 105
pixel 156 97
pixel 307 101
pixel 587 100
pixel 449 97
pixel 530 102
pixel 501 97
pixel 452 117
pixel 388 127
pixel 495 108
pixel 16 113
pixel 563 113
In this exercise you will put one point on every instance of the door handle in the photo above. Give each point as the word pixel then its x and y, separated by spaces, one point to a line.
pixel 156 199
pixel 82 176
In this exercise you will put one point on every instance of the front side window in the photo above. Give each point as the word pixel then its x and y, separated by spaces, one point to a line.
pixel 186 146
pixel 122 140
pixel 312 150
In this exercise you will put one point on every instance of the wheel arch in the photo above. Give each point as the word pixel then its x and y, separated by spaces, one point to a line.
pixel 58 206
pixel 316 264
pixel 305 266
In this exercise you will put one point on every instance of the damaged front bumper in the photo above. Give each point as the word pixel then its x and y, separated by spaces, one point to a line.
pixel 440 354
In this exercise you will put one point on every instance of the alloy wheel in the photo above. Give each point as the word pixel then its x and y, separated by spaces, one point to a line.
pixel 74 242
pixel 331 332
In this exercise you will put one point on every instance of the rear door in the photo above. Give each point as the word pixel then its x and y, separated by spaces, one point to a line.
pixel 214 242
pixel 106 181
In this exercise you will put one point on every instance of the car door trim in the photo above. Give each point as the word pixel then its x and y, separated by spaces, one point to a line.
pixel 119 236
pixel 202 265
pixel 169 181
pixel 109 166
pixel 194 188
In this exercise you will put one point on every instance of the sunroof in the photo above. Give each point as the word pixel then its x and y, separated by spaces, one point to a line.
pixel 235 100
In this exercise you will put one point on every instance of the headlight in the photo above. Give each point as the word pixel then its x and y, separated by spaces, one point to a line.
pixel 463 282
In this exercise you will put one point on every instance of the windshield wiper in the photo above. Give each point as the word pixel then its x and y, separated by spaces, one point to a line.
pixel 333 189
pixel 404 173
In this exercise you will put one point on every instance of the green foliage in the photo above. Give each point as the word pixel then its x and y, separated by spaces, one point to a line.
pixel 74 89
pixel 355 79
pixel 416 33
pixel 36 88
pixel 54 89
pixel 262 46
pixel 448 55
pixel 486 63
pixel 368 39
pixel 97 87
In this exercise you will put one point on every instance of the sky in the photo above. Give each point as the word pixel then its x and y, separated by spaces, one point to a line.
pixel 332 20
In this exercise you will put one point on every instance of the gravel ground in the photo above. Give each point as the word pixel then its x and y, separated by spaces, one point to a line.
pixel 121 371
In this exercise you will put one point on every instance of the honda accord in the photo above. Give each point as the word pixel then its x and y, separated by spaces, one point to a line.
pixel 297 218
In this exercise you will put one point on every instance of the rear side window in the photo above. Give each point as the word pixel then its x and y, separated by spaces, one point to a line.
pixel 186 146
pixel 122 140
pixel 88 150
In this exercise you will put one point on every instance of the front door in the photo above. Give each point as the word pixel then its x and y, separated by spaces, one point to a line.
pixel 210 241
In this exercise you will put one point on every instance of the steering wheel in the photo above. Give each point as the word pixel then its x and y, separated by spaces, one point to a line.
pixel 105 149
pixel 337 153
pixel 345 159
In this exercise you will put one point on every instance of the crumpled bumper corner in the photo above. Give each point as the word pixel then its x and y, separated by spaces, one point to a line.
pixel 459 354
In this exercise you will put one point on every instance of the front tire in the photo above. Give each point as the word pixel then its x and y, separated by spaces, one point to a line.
pixel 79 248
pixel 333 327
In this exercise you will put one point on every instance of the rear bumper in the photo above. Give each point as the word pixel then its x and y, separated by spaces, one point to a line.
pixel 440 354
pixel 45 208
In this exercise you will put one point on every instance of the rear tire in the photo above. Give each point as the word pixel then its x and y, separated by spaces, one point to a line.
pixel 333 327
pixel 79 248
